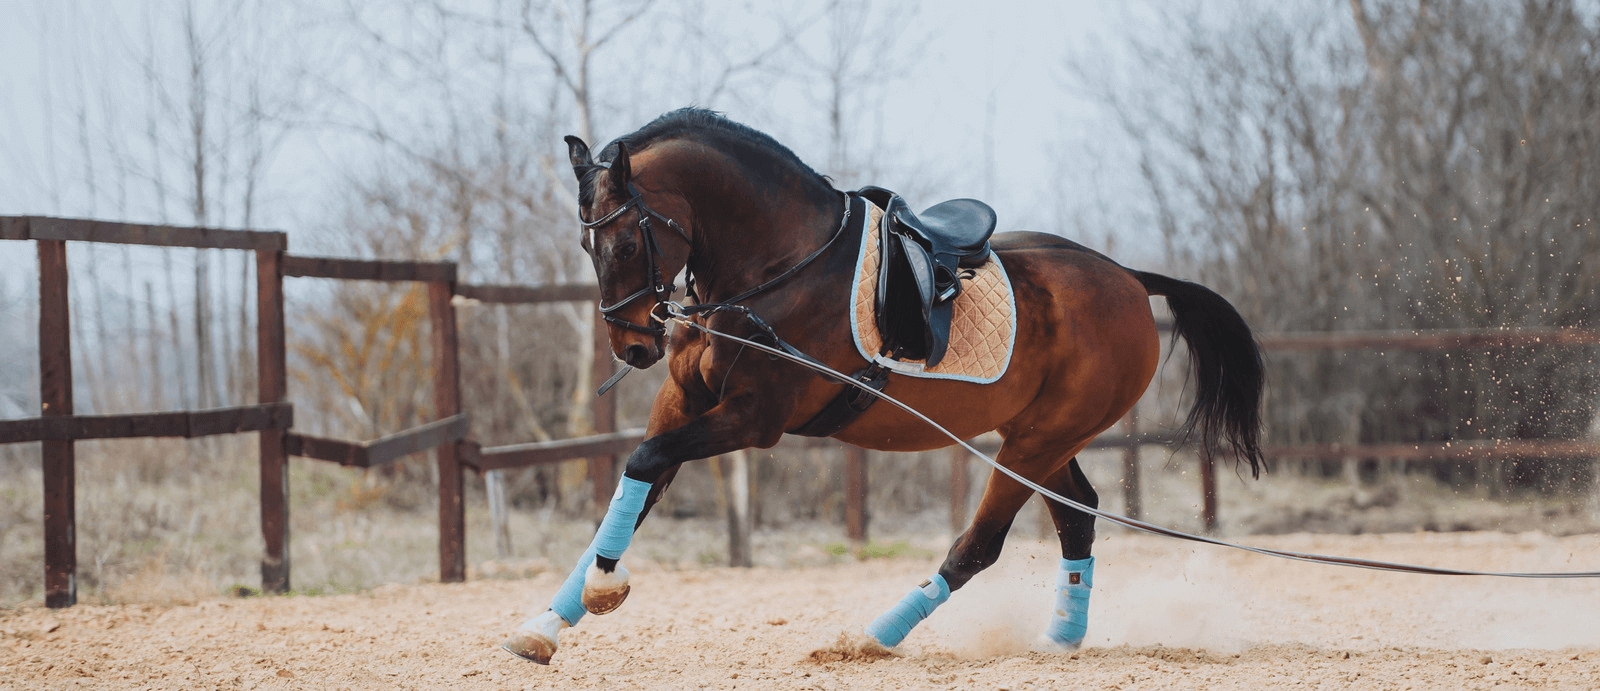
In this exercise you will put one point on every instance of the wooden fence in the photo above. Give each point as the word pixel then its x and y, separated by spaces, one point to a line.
pixel 58 427
pixel 1442 339
pixel 272 418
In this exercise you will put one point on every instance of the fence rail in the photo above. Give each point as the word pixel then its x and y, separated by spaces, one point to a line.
pixel 86 230
pixel 558 450
pixel 1430 340
pixel 187 424
pixel 1474 450
pixel 272 419
pixel 502 294
pixel 367 269
pixel 382 451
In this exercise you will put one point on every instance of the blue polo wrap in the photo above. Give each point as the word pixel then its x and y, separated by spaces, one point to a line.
pixel 1070 622
pixel 610 541
pixel 893 626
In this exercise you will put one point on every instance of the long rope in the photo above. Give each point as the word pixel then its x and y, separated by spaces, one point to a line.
pixel 676 314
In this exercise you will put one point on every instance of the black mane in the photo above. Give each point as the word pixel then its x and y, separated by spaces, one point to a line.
pixel 759 153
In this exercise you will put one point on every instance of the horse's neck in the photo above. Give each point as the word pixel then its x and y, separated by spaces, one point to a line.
pixel 754 244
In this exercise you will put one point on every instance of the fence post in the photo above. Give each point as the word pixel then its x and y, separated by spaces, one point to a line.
pixel 272 386
pixel 55 396
pixel 960 487
pixel 1208 491
pixel 855 493
pixel 447 402
pixel 739 523
pixel 494 485
pixel 602 469
pixel 1131 505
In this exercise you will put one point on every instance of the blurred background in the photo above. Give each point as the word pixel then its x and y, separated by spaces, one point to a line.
pixel 1327 165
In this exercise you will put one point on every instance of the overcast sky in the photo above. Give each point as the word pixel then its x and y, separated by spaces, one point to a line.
pixel 985 73
pixel 1010 52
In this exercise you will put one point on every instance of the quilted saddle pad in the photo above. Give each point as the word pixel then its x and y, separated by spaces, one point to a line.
pixel 983 322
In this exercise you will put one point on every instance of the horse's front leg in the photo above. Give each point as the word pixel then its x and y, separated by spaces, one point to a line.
pixel 728 427
pixel 597 584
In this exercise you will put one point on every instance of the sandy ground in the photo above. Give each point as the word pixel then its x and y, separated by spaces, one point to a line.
pixel 1164 615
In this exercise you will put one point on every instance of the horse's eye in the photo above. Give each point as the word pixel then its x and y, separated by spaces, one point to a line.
pixel 626 251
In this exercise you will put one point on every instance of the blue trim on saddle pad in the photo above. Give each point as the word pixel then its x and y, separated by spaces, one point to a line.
pixel 1070 622
pixel 610 541
pixel 894 625
pixel 855 333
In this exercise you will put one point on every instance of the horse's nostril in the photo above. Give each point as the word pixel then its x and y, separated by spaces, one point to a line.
pixel 635 354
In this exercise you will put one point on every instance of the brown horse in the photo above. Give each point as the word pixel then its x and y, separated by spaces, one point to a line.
pixel 740 214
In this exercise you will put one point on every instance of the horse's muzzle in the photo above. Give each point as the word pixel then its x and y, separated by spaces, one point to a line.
pixel 641 355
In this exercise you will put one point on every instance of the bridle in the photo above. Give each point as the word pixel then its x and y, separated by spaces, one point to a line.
pixel 662 290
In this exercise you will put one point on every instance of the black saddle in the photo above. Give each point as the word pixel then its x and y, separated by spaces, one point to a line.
pixel 922 258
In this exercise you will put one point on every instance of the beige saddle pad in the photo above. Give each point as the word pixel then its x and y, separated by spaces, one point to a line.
pixel 983 323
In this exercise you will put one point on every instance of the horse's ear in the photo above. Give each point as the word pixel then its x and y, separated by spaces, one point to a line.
pixel 578 152
pixel 621 173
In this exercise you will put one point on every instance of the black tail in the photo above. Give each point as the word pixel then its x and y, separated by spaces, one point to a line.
pixel 1227 367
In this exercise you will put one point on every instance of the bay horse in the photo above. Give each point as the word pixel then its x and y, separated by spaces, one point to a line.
pixel 749 223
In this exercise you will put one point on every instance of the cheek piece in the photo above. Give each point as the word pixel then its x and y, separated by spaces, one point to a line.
pixel 1070 621
pixel 610 541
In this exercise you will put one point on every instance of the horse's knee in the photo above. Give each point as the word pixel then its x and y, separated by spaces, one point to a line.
pixel 647 463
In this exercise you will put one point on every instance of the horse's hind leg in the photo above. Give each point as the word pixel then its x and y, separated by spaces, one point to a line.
pixel 1075 528
pixel 977 549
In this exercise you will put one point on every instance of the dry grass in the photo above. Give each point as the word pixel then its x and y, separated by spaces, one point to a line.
pixel 164 521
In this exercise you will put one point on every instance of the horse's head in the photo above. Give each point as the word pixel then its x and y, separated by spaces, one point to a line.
pixel 637 250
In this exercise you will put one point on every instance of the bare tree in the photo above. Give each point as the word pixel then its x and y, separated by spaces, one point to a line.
pixel 1396 165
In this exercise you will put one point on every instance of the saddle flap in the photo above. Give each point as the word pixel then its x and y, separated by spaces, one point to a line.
pixel 905 297
pixel 973 335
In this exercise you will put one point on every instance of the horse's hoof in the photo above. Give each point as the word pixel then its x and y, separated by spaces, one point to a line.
pixel 537 638
pixel 530 646
pixel 604 592
pixel 1045 643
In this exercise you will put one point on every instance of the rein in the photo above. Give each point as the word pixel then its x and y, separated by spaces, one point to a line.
pixel 682 315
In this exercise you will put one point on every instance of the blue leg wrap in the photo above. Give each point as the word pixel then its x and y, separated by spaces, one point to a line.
pixel 894 625
pixel 1071 619
pixel 616 530
pixel 568 602
pixel 610 541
